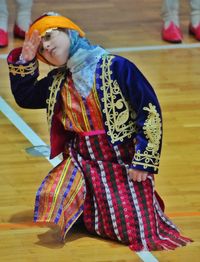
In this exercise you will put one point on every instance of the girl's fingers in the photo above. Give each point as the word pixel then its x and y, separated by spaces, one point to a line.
pixel 138 178
pixel 144 176
pixel 26 38
pixel 137 175
pixel 35 38
pixel 31 45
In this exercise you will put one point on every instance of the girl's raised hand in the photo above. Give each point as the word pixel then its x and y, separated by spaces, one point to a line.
pixel 30 46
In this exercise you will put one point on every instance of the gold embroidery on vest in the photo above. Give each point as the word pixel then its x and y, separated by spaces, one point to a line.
pixel 152 130
pixel 119 114
pixel 54 88
pixel 72 114
pixel 96 97
pixel 23 70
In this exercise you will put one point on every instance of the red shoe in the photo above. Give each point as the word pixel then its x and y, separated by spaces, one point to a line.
pixel 18 32
pixel 172 33
pixel 3 38
pixel 195 31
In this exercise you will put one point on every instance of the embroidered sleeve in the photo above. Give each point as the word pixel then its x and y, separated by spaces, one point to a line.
pixel 23 69
pixel 28 91
pixel 148 138
pixel 149 157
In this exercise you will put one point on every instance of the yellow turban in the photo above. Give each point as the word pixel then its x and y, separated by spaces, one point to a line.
pixel 46 22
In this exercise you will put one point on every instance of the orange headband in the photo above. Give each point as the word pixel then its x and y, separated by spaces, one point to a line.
pixel 47 22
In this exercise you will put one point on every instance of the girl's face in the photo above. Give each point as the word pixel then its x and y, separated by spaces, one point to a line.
pixel 54 47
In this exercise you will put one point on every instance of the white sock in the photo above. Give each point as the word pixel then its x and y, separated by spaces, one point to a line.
pixel 195 12
pixel 3 15
pixel 23 17
pixel 170 12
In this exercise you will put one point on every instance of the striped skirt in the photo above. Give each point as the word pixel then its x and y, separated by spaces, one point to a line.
pixel 93 180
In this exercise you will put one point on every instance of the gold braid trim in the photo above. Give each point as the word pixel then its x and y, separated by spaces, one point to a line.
pixel 152 130
pixel 119 114
pixel 23 70
pixel 54 88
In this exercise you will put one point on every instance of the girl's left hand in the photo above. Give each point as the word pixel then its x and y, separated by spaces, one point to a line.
pixel 137 175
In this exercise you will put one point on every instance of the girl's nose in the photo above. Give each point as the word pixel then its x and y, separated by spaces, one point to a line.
pixel 46 45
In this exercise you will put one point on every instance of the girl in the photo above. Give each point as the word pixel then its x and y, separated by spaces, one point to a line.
pixel 104 117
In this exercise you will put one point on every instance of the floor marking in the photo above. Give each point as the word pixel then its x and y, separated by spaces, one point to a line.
pixel 146 256
pixel 3 56
pixel 184 214
pixel 142 48
pixel 19 123
pixel 153 48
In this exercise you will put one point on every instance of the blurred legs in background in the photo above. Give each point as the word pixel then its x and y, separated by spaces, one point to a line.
pixel 171 31
pixel 22 20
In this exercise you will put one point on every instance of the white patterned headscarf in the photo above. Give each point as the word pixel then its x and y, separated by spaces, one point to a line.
pixel 83 59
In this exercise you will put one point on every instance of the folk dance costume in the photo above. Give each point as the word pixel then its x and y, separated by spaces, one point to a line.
pixel 105 118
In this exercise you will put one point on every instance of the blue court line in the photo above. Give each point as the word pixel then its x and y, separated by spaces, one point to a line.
pixel 19 123
pixel 3 56
pixel 146 256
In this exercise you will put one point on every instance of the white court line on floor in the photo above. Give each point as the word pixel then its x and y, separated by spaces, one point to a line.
pixel 146 256
pixel 153 48
pixel 3 56
pixel 142 48
pixel 19 123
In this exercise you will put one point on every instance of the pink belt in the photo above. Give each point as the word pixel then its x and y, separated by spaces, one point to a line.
pixel 93 133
